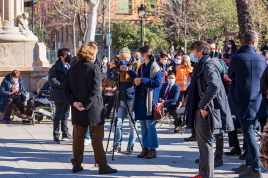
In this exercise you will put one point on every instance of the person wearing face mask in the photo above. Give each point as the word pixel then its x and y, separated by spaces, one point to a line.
pixel 148 82
pixel 38 101
pixel 171 52
pixel 57 75
pixel 163 65
pixel 130 64
pixel 11 91
pixel 245 71
pixel 181 51
pixel 82 90
pixel 105 60
pixel 213 52
pixel 207 109
pixel 231 48
pixel 170 92
pixel 183 71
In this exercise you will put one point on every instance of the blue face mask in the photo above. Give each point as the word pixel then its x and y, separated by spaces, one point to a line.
pixel 47 78
pixel 171 81
pixel 141 59
pixel 193 58
pixel 125 63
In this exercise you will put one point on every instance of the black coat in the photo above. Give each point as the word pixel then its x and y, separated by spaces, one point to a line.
pixel 56 80
pixel 213 96
pixel 83 84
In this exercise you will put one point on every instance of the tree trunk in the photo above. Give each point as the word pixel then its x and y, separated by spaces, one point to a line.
pixel 103 30
pixel 74 37
pixel 245 20
pixel 92 21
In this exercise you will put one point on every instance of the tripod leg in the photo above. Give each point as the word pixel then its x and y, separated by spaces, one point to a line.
pixel 112 121
pixel 115 127
pixel 133 122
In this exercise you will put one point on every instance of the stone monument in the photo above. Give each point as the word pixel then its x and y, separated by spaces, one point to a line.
pixel 19 47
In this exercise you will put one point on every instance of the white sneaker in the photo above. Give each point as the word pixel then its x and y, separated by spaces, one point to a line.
pixel 87 141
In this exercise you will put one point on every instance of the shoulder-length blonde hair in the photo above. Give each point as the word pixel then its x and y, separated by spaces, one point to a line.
pixel 185 61
pixel 87 52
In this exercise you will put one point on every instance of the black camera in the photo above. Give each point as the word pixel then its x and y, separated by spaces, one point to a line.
pixel 117 61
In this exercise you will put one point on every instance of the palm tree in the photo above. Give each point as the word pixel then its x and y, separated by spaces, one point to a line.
pixel 245 20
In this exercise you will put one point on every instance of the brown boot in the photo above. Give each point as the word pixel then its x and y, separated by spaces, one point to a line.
pixel 218 161
pixel 144 152
pixel 151 154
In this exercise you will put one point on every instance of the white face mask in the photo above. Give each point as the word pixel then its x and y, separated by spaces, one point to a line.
pixel 105 61
pixel 172 51
pixel 229 46
pixel 141 58
pixel 164 62
pixel 178 61
pixel 15 79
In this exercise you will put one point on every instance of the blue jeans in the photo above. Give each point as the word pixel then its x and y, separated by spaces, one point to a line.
pixel 248 128
pixel 87 134
pixel 149 134
pixel 122 110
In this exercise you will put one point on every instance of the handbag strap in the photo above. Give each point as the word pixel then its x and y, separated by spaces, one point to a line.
pixel 142 77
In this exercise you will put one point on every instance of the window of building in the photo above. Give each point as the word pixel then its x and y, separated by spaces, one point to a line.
pixel 124 6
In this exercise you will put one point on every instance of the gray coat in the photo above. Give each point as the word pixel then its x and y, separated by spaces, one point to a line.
pixel 213 96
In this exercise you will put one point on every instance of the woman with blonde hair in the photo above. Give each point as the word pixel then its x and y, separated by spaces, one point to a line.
pixel 183 71
pixel 82 89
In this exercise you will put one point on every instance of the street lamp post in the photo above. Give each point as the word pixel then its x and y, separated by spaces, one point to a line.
pixel 142 12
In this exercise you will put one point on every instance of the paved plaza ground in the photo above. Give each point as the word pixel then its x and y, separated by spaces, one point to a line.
pixel 28 151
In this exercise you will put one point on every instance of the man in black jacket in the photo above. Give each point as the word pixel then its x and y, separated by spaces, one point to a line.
pixel 82 90
pixel 207 108
pixel 56 79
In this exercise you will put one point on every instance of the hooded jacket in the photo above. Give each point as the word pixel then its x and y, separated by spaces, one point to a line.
pixel 5 89
pixel 126 80
pixel 213 96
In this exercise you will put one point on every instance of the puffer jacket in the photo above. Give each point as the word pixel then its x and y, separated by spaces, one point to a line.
pixel 126 81
pixel 213 96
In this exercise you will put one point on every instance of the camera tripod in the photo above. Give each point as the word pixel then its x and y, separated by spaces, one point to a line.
pixel 114 118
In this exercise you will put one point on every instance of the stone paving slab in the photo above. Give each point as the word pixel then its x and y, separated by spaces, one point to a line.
pixel 28 151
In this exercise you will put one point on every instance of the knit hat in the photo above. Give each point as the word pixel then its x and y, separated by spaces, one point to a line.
pixel 125 52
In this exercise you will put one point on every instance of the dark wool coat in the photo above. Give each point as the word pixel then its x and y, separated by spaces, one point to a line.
pixel 245 71
pixel 5 89
pixel 213 96
pixel 83 84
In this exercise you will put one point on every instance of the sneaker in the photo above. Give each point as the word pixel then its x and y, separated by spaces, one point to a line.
pixel 87 142
pixel 242 169
pixel 107 170
pixel 192 138
pixel 6 121
pixel 251 174
pixel 197 176
pixel 56 140
pixel 244 156
pixel 67 137
pixel 117 149
pixel 77 169
pixel 129 150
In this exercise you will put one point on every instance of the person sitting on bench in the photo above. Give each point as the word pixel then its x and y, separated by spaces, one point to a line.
pixel 39 101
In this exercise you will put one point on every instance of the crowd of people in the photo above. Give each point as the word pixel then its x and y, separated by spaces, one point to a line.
pixel 207 91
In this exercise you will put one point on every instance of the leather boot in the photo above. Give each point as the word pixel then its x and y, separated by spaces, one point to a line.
pixel 144 152
pixel 218 161
pixel 151 154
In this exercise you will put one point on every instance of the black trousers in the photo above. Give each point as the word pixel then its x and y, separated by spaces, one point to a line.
pixel 110 101
pixel 9 105
pixel 181 95
pixel 30 105
pixel 233 139
pixel 61 115
pixel 176 114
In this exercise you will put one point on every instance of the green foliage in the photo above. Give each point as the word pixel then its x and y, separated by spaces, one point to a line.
pixel 126 34
pixel 39 29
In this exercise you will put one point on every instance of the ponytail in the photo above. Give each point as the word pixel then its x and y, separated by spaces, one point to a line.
pixel 151 57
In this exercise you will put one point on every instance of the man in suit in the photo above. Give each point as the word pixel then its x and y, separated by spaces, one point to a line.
pixel 170 92
pixel 245 98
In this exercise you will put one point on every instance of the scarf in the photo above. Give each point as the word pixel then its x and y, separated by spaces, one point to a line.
pixel 193 94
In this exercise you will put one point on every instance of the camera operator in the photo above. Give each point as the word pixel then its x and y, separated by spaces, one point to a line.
pixel 125 64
